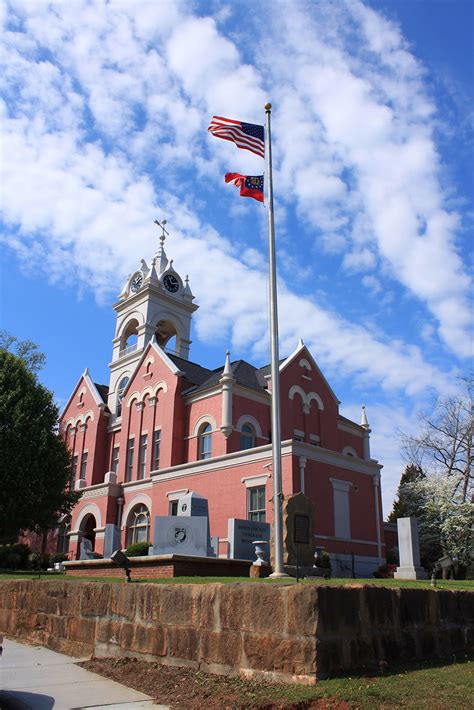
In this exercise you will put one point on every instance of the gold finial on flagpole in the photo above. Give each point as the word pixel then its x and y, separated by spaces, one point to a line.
pixel 268 107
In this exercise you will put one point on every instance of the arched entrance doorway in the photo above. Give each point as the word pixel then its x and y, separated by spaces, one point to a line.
pixel 87 528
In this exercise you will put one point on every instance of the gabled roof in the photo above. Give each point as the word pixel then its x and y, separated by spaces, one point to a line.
pixel 163 357
pixel 299 349
pixel 93 388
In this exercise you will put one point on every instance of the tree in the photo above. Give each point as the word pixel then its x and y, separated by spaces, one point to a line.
pixel 444 445
pixel 444 519
pixel 26 350
pixel 403 508
pixel 35 464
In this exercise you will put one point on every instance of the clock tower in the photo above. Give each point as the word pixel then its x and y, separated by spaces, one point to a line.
pixel 156 304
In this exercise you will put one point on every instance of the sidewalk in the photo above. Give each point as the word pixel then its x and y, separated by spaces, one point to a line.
pixel 34 678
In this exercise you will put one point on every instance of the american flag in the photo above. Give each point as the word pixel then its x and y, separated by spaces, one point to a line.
pixel 248 136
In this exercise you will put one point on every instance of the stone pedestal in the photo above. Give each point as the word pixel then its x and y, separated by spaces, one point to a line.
pixel 298 531
pixel 111 539
pixel 409 550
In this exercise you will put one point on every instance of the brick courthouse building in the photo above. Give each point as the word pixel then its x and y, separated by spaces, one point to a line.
pixel 166 425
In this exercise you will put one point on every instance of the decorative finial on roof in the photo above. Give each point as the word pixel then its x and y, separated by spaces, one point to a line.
pixel 161 257
pixel 301 343
pixel 187 289
pixel 363 420
pixel 227 371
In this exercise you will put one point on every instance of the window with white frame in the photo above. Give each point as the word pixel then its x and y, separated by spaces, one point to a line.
pixel 115 458
pixel 256 504
pixel 123 383
pixel 74 467
pixel 130 452
pixel 83 465
pixel 247 437
pixel 142 458
pixel 138 524
pixel 205 441
pixel 156 449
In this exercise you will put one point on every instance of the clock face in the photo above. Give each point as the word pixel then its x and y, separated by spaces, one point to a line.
pixel 171 283
pixel 136 282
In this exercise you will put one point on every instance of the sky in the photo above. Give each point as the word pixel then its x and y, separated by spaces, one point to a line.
pixel 105 108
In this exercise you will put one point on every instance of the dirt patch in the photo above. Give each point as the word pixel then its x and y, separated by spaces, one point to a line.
pixel 186 689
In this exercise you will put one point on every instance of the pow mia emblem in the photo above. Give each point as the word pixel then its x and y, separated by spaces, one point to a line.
pixel 180 536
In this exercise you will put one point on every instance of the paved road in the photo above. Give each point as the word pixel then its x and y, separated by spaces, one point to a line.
pixel 34 678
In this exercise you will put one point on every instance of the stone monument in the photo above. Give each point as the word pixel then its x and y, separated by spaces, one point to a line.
pixel 298 539
pixel 111 539
pixel 87 551
pixel 196 506
pixel 241 535
pixel 409 550
pixel 178 535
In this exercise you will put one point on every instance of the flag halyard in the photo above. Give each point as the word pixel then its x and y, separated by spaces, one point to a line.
pixel 248 136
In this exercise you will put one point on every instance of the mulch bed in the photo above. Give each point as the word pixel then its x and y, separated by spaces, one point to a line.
pixel 186 689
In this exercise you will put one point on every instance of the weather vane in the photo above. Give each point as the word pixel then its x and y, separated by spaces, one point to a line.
pixel 164 232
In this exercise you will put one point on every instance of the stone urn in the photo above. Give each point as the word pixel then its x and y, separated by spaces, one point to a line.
pixel 260 549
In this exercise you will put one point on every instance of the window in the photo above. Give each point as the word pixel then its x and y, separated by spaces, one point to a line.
pixel 123 383
pixel 129 467
pixel 256 504
pixel 83 465
pixel 143 447
pixel 174 507
pixel 115 458
pixel 74 467
pixel 205 441
pixel 156 449
pixel 138 525
pixel 247 437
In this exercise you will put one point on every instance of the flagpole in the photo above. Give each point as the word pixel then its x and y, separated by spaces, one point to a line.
pixel 278 570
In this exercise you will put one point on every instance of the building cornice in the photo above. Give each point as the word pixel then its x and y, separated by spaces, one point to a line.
pixel 350 427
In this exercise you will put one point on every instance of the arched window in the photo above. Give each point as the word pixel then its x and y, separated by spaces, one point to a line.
pixel 138 524
pixel 247 437
pixel 123 383
pixel 205 441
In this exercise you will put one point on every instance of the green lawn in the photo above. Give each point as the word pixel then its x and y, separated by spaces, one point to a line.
pixel 440 584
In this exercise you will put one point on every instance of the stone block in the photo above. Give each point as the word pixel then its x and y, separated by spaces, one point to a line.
pixel 281 655
pixel 123 600
pixel 183 642
pixel 82 630
pixel 174 535
pixel 338 610
pixel 94 600
pixel 253 608
pixel 149 640
pixel 414 609
pixel 108 631
pixel 378 606
pixel 302 610
pixel 221 647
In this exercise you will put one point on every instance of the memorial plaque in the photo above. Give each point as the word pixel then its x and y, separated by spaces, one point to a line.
pixel 301 529
pixel 87 551
pixel 193 504
pixel 242 533
pixel 180 536
pixel 111 539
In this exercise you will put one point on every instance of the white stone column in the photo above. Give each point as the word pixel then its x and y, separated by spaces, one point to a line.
pixel 302 463
pixel 376 482
pixel 409 550
pixel 227 382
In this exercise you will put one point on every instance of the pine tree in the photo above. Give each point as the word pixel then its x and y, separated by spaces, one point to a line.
pixel 403 507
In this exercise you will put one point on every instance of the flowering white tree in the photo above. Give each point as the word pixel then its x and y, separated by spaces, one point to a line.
pixel 444 519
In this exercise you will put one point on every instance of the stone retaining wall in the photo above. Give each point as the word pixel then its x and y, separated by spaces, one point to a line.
pixel 290 633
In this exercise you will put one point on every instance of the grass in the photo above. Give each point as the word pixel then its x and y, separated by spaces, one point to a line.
pixel 393 583
pixel 437 685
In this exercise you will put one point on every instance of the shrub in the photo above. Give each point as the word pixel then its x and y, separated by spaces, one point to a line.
pixel 59 557
pixel 385 571
pixel 14 556
pixel 324 560
pixel 138 549
pixel 39 560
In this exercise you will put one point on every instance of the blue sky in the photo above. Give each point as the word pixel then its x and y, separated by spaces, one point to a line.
pixel 106 107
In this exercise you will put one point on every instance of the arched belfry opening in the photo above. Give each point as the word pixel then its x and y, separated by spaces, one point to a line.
pixel 166 335
pixel 129 338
